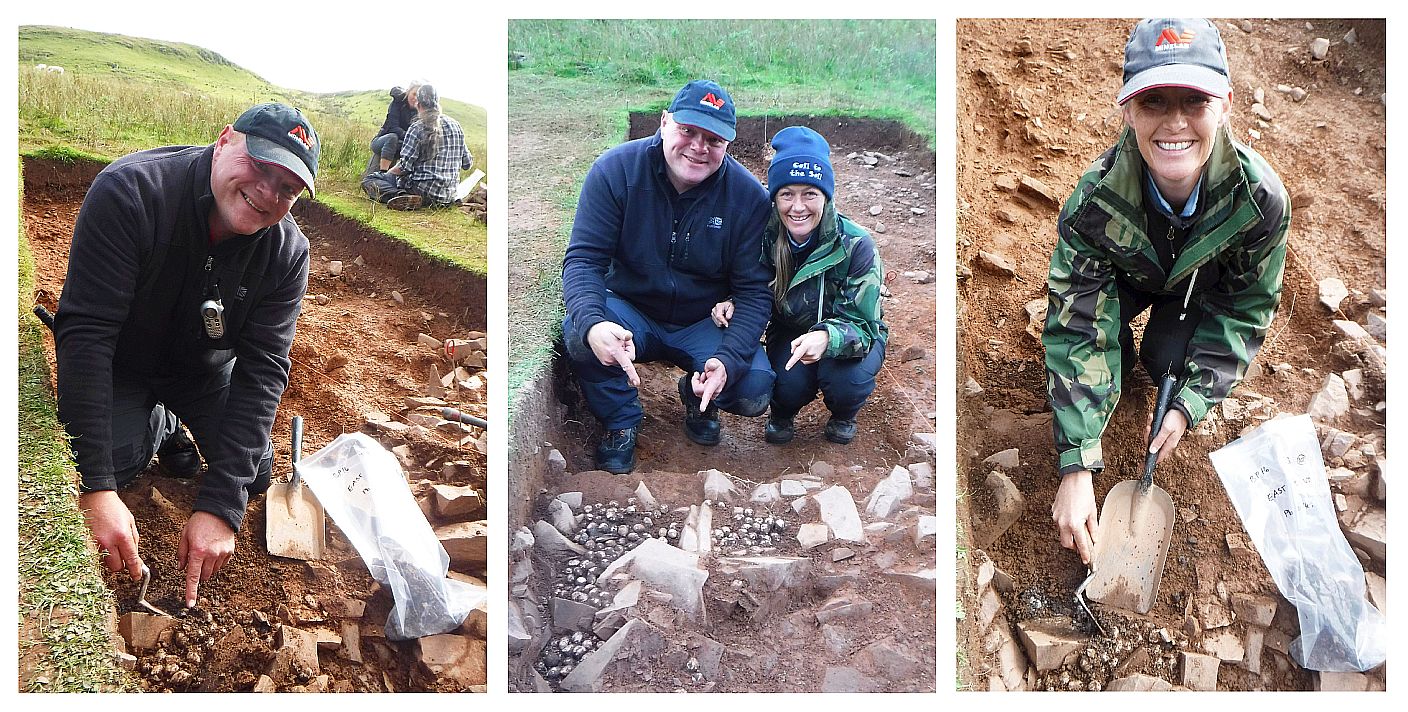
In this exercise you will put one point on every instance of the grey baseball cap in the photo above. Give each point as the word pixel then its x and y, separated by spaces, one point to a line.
pixel 280 134
pixel 1173 52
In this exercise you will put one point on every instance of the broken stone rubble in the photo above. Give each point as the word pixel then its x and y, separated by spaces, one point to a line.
pixel 838 511
pixel 1010 503
pixel 889 494
pixel 745 570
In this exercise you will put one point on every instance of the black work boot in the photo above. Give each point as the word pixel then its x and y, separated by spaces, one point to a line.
pixel 616 453
pixel 840 432
pixel 178 457
pixel 779 429
pixel 702 428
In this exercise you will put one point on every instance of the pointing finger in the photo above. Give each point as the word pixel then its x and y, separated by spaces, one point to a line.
pixel 796 356
pixel 624 359
pixel 711 387
pixel 193 575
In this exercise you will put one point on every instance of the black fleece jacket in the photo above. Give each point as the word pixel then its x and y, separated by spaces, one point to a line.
pixel 672 256
pixel 399 115
pixel 140 265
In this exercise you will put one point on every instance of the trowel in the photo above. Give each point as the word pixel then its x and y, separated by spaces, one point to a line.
pixel 293 516
pixel 142 593
pixel 1134 532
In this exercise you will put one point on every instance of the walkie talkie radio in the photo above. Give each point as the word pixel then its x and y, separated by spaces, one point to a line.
pixel 212 314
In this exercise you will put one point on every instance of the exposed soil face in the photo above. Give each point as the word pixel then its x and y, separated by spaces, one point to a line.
pixel 355 353
pixel 1036 98
pixel 757 654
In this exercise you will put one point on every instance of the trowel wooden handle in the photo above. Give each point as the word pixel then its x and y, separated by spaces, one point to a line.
pixel 462 417
pixel 1160 410
pixel 297 448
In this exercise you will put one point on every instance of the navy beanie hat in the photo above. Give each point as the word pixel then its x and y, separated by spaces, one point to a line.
pixel 803 156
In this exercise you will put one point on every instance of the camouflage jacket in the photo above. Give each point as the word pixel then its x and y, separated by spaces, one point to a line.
pixel 836 289
pixel 1237 241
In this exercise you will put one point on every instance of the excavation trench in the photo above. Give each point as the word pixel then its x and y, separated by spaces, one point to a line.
pixel 730 644
pixel 356 355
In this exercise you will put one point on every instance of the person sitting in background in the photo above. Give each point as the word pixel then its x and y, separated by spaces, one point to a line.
pixel 432 155
pixel 400 113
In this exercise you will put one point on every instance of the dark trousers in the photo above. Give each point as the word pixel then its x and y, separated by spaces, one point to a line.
pixel 1164 347
pixel 612 399
pixel 145 412
pixel 845 383
pixel 387 146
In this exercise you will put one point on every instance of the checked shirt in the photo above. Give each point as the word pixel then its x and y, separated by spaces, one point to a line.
pixel 434 176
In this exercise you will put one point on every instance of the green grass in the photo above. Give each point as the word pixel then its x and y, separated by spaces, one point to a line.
pixel 873 67
pixel 60 590
pixel 121 94
pixel 597 72
pixel 535 299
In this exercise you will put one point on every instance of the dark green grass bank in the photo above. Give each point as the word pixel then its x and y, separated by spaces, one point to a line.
pixel 121 94
pixel 63 603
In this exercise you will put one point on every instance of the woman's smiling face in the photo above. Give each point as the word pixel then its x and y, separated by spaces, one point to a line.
pixel 1175 128
pixel 799 207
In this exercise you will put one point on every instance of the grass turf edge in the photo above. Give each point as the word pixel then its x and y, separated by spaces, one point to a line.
pixel 65 642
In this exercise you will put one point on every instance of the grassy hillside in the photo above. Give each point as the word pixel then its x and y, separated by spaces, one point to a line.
pixel 880 68
pixel 120 94
pixel 597 71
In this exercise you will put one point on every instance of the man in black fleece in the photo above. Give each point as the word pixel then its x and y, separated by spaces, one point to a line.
pixel 185 278
pixel 666 227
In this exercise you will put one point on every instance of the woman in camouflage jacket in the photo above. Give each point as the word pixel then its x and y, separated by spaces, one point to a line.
pixel 1177 218
pixel 826 330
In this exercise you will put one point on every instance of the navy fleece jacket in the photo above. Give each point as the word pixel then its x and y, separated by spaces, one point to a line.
pixel 137 274
pixel 625 239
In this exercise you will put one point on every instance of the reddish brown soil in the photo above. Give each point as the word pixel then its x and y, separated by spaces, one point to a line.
pixel 1046 114
pixel 354 354
pixel 901 405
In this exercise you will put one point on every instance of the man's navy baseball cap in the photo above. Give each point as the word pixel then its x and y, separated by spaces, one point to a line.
pixel 280 134
pixel 1171 52
pixel 705 104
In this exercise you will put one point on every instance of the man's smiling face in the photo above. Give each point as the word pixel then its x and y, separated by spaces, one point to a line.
pixel 249 195
pixel 691 153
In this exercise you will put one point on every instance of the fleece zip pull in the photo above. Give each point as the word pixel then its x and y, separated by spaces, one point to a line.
pixel 1189 294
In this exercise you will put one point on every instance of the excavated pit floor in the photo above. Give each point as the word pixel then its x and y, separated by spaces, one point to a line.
pixel 787 650
pixel 356 352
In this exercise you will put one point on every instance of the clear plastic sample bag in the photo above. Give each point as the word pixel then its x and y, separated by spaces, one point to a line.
pixel 362 488
pixel 1277 482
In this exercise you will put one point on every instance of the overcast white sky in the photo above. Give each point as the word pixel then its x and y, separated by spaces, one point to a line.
pixel 314 45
